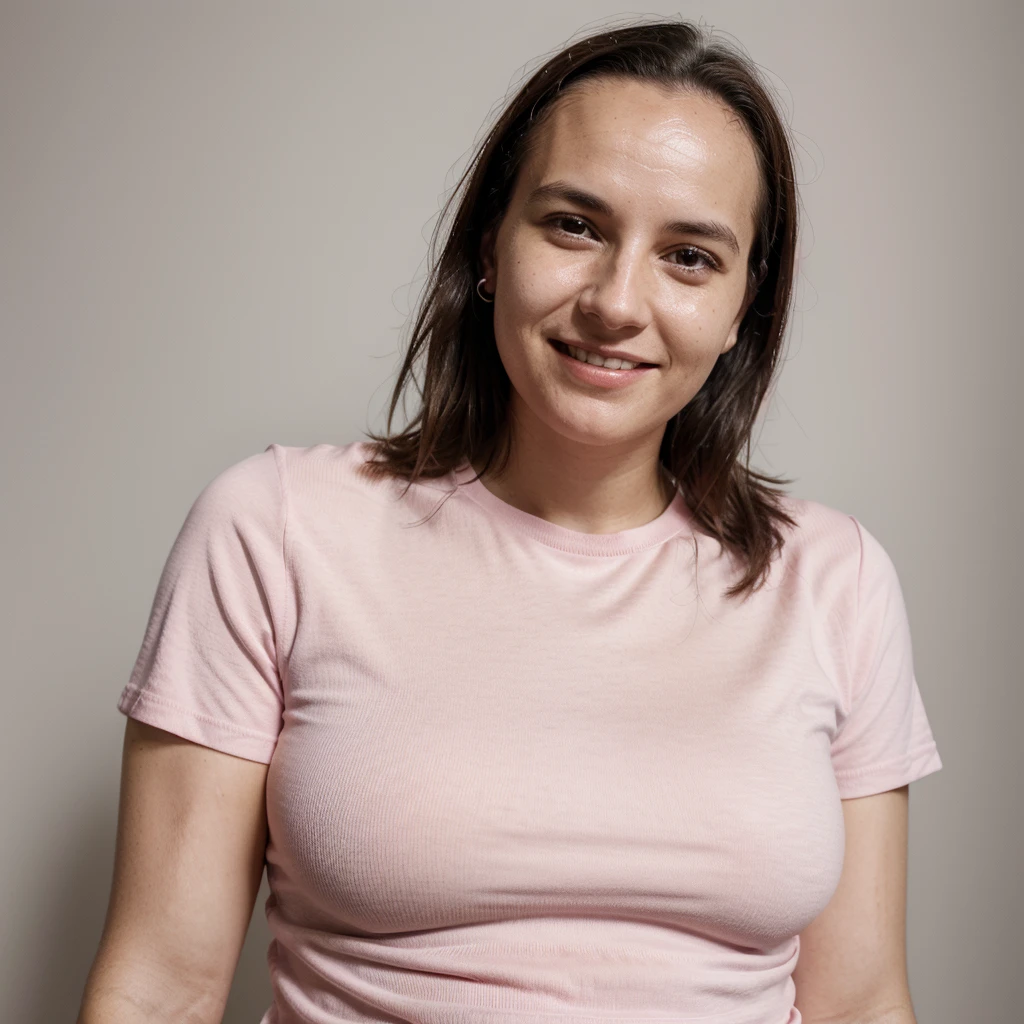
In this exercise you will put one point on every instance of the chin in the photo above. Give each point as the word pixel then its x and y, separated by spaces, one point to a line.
pixel 582 427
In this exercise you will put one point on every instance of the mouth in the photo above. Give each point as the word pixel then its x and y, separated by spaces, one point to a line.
pixel 560 346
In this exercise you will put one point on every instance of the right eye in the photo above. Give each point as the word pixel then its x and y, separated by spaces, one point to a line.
pixel 567 224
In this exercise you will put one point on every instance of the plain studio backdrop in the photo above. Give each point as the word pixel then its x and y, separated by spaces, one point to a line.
pixel 214 224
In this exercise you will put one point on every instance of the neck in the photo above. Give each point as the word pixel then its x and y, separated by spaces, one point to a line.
pixel 585 487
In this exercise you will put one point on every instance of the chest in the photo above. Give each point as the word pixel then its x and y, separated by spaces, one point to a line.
pixel 606 740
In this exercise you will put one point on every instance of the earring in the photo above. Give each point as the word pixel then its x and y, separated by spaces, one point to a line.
pixel 480 293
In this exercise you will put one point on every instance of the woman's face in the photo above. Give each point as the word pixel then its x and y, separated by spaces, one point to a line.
pixel 628 231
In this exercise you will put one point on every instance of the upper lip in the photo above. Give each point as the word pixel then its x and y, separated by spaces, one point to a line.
pixel 606 353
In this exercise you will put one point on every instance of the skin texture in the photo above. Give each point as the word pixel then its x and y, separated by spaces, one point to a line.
pixel 852 967
pixel 191 835
pixel 587 457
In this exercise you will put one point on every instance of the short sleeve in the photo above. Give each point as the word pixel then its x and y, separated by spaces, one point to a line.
pixel 208 667
pixel 884 740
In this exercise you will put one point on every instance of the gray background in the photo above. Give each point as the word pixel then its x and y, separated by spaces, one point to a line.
pixel 214 223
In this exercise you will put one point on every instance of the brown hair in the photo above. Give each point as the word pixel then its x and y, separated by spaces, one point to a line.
pixel 463 413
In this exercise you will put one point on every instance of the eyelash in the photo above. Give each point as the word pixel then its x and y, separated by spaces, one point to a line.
pixel 712 263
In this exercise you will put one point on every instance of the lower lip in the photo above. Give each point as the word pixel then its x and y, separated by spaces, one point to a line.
pixel 600 376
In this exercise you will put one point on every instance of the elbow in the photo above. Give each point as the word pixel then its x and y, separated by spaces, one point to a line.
pixel 123 993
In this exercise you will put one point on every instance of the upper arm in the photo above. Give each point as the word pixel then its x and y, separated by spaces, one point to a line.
pixel 191 839
pixel 852 961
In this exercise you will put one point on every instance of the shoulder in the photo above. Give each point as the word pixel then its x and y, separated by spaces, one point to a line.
pixel 824 535
pixel 830 550
pixel 264 485
pixel 241 504
pixel 820 533
pixel 252 477
pixel 257 493
pixel 323 464
pixel 326 482
pixel 833 552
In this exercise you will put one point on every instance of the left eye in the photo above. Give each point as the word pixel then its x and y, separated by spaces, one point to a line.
pixel 574 224
pixel 693 259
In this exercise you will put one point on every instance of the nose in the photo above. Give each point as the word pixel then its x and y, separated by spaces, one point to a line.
pixel 615 294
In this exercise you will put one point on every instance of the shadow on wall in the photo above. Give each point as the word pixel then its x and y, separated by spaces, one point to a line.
pixel 69 920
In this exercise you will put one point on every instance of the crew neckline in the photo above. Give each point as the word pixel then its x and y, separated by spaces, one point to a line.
pixel 675 520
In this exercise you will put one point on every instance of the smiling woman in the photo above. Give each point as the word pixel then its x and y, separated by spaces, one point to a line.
pixel 659 187
pixel 566 712
pixel 635 200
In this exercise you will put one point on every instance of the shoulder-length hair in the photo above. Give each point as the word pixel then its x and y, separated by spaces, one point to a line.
pixel 464 398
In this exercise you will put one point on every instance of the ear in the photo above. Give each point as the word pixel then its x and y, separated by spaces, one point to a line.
pixel 487 260
pixel 734 331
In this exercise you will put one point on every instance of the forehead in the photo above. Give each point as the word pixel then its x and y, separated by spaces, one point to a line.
pixel 645 147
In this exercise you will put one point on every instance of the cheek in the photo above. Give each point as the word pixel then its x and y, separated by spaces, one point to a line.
pixel 696 326
pixel 535 282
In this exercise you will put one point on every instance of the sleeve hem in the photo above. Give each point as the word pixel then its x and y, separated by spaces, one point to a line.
pixel 919 762
pixel 208 732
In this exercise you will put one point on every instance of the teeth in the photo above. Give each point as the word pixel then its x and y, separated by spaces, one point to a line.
pixel 592 357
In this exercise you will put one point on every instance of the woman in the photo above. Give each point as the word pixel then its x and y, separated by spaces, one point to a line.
pixel 547 705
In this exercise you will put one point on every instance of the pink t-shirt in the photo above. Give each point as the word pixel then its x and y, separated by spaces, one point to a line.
pixel 520 772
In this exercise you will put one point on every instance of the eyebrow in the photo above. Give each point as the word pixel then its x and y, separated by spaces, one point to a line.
pixel 710 229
